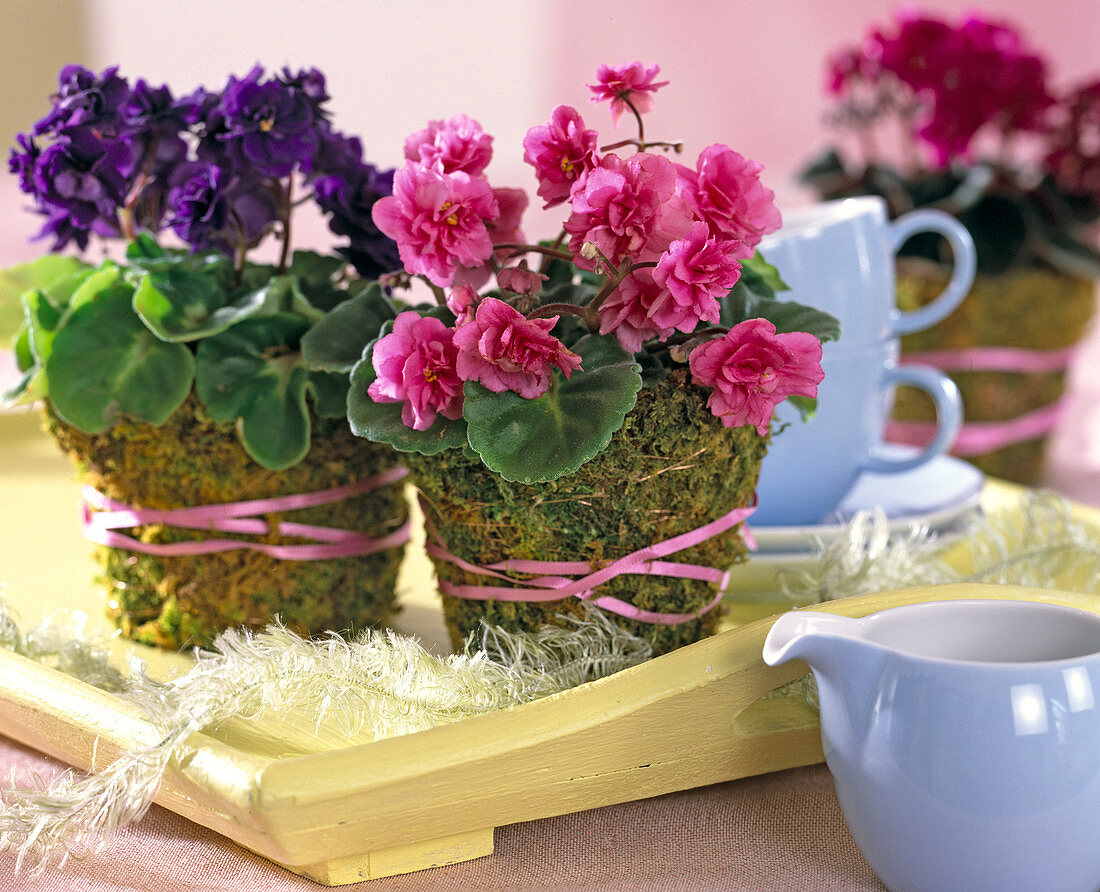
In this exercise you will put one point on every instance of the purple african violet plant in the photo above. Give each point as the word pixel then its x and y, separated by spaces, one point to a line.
pixel 216 168
pixel 221 171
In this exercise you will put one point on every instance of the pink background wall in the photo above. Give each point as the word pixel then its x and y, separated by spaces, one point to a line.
pixel 744 72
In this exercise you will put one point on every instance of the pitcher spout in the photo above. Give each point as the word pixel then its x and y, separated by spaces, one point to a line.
pixel 811 636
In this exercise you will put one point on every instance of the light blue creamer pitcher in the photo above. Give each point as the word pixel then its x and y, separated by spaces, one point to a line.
pixel 963 738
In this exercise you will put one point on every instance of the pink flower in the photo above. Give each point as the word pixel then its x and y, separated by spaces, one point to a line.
pixel 752 369
pixel 520 280
pixel 560 151
pixel 438 220
pixel 462 301
pixel 725 191
pixel 627 311
pixel 696 271
pixel 415 365
pixel 629 81
pixel 505 351
pixel 627 209
pixel 505 229
pixel 457 144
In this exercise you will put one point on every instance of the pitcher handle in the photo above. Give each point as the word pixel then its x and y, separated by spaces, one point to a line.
pixel 962 274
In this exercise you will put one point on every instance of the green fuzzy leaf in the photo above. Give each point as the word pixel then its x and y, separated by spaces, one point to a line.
pixel 336 343
pixel 105 363
pixel 181 304
pixel 144 247
pixel 43 317
pixel 107 278
pixel 381 422
pixel 38 274
pixel 763 278
pixel 315 268
pixel 787 316
pixel 252 373
pixel 806 405
pixel 532 441
pixel 330 394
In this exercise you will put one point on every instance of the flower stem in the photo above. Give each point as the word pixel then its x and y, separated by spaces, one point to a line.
pixel 548 310
pixel 286 207
pixel 517 250
pixel 676 147
pixel 439 293
pixel 615 281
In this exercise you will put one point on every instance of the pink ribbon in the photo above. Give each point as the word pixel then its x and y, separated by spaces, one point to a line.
pixel 643 562
pixel 994 359
pixel 102 516
pixel 979 437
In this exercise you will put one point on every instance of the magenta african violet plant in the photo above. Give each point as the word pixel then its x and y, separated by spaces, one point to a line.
pixel 983 134
pixel 655 267
pixel 219 171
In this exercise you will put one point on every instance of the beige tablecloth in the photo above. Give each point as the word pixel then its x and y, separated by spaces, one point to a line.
pixel 780 831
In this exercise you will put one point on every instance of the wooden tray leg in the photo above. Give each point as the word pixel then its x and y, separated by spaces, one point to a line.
pixel 399 859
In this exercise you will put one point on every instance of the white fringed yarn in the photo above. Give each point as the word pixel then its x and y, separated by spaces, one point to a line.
pixel 383 684
pixel 378 685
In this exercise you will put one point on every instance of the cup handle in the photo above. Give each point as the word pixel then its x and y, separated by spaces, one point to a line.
pixel 962 274
pixel 949 416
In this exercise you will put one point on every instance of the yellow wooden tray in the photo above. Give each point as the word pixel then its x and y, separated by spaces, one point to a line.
pixel 339 810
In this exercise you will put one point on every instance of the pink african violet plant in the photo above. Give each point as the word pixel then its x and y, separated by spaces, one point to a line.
pixel 984 135
pixel 656 266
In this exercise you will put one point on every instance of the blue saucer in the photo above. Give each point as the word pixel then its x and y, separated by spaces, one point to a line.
pixel 937 494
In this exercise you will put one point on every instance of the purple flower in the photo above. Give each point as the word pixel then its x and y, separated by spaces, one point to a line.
pixel 22 161
pixel 272 126
pixel 78 183
pixel 348 200
pixel 85 100
pixel 213 209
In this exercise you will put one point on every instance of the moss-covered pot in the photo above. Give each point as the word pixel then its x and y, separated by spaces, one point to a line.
pixel 670 469
pixel 1031 308
pixel 190 461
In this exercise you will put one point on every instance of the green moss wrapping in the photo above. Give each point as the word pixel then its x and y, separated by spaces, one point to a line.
pixel 191 460
pixel 670 469
pixel 1032 308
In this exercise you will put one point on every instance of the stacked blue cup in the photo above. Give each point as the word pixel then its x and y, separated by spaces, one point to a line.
pixel 839 256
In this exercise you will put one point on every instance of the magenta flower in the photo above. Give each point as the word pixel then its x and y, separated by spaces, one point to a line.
pixel 628 311
pixel 560 151
pixel 438 220
pixel 520 280
pixel 725 191
pixel 627 82
pixel 752 369
pixel 696 271
pixel 506 228
pixel 627 209
pixel 457 144
pixel 415 365
pixel 503 350
pixel 462 301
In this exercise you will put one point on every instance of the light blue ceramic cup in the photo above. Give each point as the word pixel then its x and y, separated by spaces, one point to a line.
pixel 964 740
pixel 810 466
pixel 839 256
